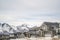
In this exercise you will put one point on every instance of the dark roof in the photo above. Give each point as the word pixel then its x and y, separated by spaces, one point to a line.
pixel 5 33
pixel 51 23
pixel 1 33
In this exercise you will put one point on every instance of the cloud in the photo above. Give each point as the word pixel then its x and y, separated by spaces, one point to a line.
pixel 29 11
pixel 30 4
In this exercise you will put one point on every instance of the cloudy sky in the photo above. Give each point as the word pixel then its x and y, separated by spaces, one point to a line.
pixel 29 11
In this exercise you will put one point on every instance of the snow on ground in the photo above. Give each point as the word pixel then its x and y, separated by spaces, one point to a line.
pixel 39 38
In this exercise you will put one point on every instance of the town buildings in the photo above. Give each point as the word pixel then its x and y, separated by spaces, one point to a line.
pixel 49 29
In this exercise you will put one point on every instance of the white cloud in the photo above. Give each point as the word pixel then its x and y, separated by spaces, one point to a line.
pixel 29 11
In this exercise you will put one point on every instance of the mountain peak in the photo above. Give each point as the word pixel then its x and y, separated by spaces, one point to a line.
pixel 5 24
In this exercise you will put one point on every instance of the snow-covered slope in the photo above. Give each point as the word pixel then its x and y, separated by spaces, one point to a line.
pixel 6 28
pixel 23 28
pixel 1 31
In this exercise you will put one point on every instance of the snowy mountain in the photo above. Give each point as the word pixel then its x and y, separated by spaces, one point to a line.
pixel 6 29
pixel 1 31
pixel 23 28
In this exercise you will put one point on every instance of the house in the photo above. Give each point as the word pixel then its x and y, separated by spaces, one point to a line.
pixel 58 31
pixel 14 35
pixel 32 33
pixel 18 35
pixel 4 36
pixel 36 32
pixel 23 30
pixel 49 28
pixel 3 33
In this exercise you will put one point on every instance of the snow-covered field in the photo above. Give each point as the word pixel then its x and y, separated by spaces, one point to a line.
pixel 32 38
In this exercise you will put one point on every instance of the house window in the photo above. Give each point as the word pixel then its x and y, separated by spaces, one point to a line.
pixel 52 27
pixel 11 35
pixel 0 35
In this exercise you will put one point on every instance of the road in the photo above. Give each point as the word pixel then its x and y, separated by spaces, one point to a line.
pixel 33 38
